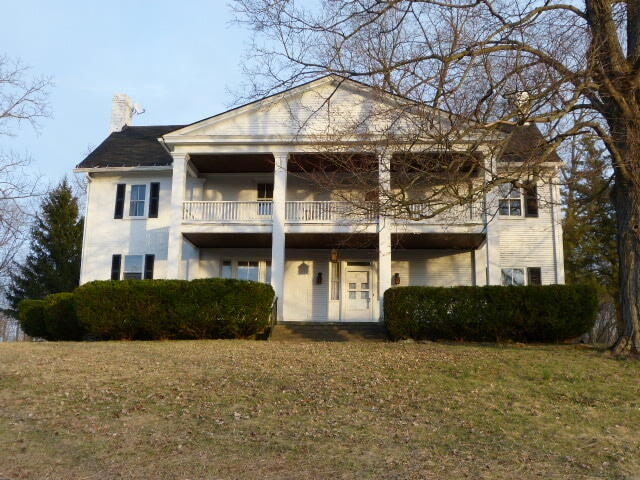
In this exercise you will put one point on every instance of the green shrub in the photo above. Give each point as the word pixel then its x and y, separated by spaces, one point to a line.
pixel 60 318
pixel 31 318
pixel 547 313
pixel 174 309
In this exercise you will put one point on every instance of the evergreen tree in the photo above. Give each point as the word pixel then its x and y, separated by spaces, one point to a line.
pixel 590 219
pixel 53 263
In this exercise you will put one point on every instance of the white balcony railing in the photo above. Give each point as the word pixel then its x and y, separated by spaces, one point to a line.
pixel 253 212
pixel 320 212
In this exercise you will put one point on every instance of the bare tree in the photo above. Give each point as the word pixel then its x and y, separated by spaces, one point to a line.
pixel 23 98
pixel 571 68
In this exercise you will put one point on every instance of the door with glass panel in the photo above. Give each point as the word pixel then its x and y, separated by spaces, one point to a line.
pixel 358 292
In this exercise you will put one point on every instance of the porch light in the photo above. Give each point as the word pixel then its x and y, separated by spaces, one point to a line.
pixel 396 279
pixel 334 255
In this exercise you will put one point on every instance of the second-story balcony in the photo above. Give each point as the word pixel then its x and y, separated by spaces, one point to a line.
pixel 313 212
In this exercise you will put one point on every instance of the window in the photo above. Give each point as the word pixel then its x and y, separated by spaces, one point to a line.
pixel 136 201
pixel 534 276
pixel 133 267
pixel 512 276
pixel 265 198
pixel 510 203
pixel 136 267
pixel 248 270
pixel 119 208
pixel 154 199
pixel 531 199
pixel 254 270
pixel 225 271
pixel 516 276
pixel 335 281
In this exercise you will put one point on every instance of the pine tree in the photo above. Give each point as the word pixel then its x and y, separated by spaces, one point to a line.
pixel 590 220
pixel 53 263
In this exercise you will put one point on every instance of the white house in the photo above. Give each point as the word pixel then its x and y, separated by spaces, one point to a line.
pixel 222 198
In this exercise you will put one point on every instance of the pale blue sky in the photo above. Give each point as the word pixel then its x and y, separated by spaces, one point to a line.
pixel 177 59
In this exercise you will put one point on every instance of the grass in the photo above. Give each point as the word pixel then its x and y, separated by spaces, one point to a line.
pixel 241 409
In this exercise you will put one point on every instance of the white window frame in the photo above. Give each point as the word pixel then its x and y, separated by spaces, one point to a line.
pixel 144 200
pixel 509 192
pixel 264 268
pixel 525 275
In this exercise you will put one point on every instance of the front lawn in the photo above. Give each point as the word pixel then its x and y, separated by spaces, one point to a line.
pixel 243 409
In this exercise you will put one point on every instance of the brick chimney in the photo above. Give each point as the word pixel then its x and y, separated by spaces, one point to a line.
pixel 122 111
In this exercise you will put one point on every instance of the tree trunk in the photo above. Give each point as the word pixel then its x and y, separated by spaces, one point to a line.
pixel 627 204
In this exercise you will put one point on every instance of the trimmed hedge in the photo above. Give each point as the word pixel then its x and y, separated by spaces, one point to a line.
pixel 53 318
pixel 31 318
pixel 174 309
pixel 60 318
pixel 548 313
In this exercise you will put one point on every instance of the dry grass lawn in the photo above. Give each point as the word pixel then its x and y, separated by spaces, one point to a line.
pixel 241 409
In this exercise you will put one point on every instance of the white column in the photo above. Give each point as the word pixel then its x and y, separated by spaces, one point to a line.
pixel 384 232
pixel 178 188
pixel 492 229
pixel 278 235
pixel 556 228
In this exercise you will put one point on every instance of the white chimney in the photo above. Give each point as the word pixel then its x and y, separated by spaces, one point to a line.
pixel 122 111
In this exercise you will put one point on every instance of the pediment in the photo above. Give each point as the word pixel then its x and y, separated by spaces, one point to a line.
pixel 328 107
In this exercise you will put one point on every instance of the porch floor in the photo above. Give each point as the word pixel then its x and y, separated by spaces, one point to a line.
pixel 328 332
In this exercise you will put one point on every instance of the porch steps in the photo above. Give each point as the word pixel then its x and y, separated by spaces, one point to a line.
pixel 328 332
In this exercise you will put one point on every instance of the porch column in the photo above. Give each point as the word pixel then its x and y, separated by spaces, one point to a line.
pixel 178 188
pixel 384 231
pixel 278 235
pixel 492 229
pixel 556 228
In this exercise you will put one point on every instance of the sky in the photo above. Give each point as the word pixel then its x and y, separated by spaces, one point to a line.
pixel 180 61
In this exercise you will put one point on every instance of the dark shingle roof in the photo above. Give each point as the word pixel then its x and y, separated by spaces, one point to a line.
pixel 526 143
pixel 132 147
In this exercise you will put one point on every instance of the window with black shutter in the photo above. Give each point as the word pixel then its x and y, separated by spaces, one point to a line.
pixel 116 262
pixel 148 266
pixel 534 276
pixel 119 209
pixel 154 199
pixel 531 200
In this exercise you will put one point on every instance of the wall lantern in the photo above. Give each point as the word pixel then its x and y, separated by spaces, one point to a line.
pixel 319 278
pixel 396 279
pixel 334 255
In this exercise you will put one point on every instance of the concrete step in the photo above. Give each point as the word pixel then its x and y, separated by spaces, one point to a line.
pixel 328 332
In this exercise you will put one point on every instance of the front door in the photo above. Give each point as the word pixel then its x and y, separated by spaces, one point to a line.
pixel 358 292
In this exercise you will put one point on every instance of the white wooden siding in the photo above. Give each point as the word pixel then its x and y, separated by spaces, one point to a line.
pixel 433 268
pixel 528 242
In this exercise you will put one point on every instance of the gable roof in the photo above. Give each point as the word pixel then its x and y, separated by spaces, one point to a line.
pixel 526 143
pixel 131 147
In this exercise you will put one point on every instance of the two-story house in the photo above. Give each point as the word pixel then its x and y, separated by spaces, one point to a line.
pixel 226 197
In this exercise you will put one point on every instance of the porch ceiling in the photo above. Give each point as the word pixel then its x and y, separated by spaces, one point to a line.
pixel 229 240
pixel 331 240
pixel 233 163
pixel 456 241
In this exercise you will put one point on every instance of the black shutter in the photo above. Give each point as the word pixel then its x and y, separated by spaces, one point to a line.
pixel 116 261
pixel 535 276
pixel 119 210
pixel 154 200
pixel 148 266
pixel 531 200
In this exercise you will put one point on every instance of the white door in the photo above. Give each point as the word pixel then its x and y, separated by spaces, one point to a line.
pixel 358 292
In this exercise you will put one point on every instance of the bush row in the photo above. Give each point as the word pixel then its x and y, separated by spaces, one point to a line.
pixel 549 313
pixel 150 310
